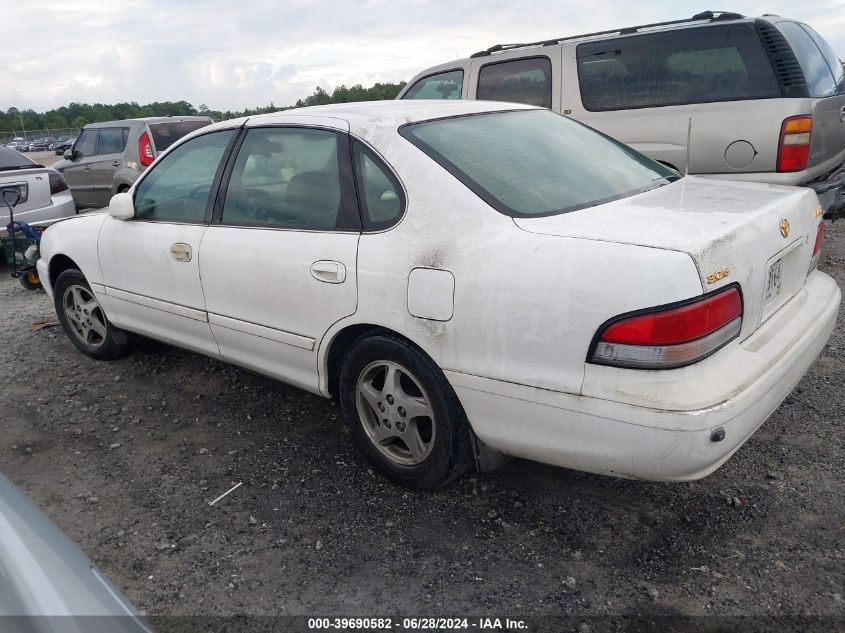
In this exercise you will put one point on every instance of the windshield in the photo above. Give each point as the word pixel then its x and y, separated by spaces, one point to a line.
pixel 10 159
pixel 535 162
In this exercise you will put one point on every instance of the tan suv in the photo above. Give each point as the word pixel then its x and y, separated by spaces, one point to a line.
pixel 108 157
pixel 759 98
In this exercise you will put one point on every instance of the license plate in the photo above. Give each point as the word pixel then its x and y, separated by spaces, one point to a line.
pixel 774 281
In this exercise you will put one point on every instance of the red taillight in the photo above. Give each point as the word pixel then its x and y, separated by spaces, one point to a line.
pixel 145 150
pixel 669 337
pixel 794 145
pixel 57 183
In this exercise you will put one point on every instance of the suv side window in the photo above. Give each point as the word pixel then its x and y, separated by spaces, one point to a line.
pixel 379 192
pixel 285 177
pixel 111 141
pixel 446 85
pixel 177 188
pixel 86 144
pixel 817 74
pixel 526 80
pixel 693 65
pixel 829 56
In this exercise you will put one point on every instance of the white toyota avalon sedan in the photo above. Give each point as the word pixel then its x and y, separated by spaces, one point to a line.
pixel 469 279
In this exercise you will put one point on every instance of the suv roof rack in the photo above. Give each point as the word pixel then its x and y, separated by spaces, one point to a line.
pixel 710 16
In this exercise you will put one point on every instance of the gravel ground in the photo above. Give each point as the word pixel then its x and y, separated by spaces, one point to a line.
pixel 125 456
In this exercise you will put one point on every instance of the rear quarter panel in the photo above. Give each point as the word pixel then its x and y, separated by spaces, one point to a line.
pixel 526 306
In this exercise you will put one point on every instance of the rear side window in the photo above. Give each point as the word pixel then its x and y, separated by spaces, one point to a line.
pixel 165 134
pixel 286 178
pixel 379 191
pixel 830 57
pixel 112 141
pixel 817 73
pixel 519 81
pixel 698 65
pixel 536 162
pixel 446 85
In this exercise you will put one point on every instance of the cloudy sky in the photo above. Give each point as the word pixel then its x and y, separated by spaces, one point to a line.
pixel 230 54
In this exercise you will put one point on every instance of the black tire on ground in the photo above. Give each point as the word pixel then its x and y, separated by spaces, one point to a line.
pixel 448 450
pixel 30 281
pixel 113 344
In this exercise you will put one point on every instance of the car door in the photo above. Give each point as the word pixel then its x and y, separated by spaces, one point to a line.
pixel 78 172
pixel 110 145
pixel 278 263
pixel 150 263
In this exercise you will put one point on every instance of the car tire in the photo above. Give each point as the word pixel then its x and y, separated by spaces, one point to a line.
pixel 84 321
pixel 30 281
pixel 403 413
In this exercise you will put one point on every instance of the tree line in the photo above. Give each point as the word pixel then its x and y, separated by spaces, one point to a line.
pixel 80 114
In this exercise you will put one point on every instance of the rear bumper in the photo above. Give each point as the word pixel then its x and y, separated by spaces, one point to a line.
pixel 608 437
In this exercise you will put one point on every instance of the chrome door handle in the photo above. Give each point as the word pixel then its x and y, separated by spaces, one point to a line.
pixel 329 271
pixel 181 252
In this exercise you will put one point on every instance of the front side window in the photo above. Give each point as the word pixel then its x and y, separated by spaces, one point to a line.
pixel 379 191
pixel 86 144
pixel 446 85
pixel 535 163
pixel 817 73
pixel 696 65
pixel 111 141
pixel 519 81
pixel 286 178
pixel 177 188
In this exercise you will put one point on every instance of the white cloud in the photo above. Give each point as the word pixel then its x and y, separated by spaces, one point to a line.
pixel 235 55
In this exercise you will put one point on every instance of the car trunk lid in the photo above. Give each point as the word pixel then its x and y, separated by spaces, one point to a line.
pixel 761 236
pixel 34 187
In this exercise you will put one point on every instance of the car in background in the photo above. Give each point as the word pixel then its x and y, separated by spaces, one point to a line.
pixel 18 144
pixel 46 583
pixel 41 144
pixel 108 157
pixel 58 141
pixel 61 146
pixel 719 94
pixel 587 306
pixel 44 195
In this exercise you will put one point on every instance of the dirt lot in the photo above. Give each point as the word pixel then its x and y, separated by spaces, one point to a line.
pixel 125 457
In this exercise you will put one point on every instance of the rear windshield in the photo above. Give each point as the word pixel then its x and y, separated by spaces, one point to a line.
pixel 697 65
pixel 535 162
pixel 165 134
pixel 10 159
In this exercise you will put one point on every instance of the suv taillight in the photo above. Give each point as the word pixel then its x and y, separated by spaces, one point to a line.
pixel 57 183
pixel 145 150
pixel 794 145
pixel 817 247
pixel 670 336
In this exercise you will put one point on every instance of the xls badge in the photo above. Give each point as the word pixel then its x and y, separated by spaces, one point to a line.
pixel 784 227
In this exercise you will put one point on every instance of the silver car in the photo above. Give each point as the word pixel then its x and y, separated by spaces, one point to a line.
pixel 44 194
pixel 108 157
pixel 718 94
pixel 44 575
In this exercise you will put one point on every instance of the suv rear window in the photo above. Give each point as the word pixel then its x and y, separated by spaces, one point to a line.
pixel 696 65
pixel 165 134
pixel 535 162
pixel 10 159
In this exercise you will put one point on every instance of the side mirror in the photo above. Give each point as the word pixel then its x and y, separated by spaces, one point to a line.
pixel 121 206
pixel 69 154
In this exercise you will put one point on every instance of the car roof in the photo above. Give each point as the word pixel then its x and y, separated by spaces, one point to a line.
pixel 147 120
pixel 363 115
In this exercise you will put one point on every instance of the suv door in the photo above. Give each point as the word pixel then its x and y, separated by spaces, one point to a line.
pixel 150 263
pixel 78 172
pixel 278 262
pixel 110 146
